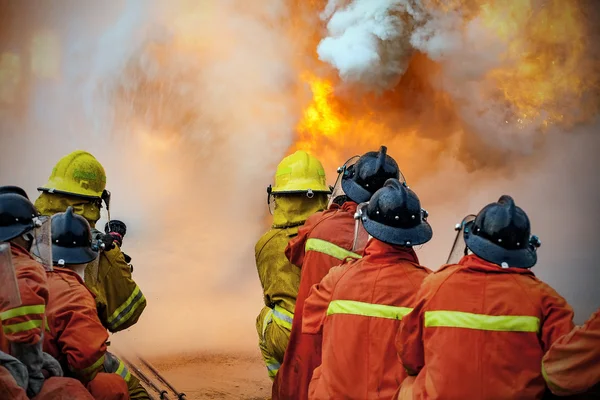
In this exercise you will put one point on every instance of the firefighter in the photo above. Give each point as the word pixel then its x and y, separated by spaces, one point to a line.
pixel 325 240
pixel 572 365
pixel 23 299
pixel 480 327
pixel 75 335
pixel 300 190
pixel 358 305
pixel 78 180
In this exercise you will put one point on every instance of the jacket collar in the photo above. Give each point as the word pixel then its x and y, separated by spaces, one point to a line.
pixel 378 251
pixel 475 263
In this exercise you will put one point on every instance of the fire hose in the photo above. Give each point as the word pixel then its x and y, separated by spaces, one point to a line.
pixel 150 384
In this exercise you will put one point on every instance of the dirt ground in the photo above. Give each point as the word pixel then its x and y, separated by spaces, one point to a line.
pixel 217 376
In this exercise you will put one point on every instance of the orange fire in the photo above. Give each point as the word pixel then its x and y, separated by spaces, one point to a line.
pixel 544 76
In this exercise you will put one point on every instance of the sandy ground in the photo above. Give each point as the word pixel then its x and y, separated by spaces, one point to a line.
pixel 217 376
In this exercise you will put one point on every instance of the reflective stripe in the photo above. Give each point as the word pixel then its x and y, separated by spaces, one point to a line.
pixel 22 327
pixel 505 323
pixel 124 312
pixel 22 311
pixel 283 317
pixel 325 247
pixel 89 370
pixel 266 321
pixel 555 388
pixel 366 309
pixel 272 367
pixel 123 371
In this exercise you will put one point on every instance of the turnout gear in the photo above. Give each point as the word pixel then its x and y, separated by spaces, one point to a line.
pixel 324 241
pixel 571 366
pixel 358 307
pixel 363 178
pixel 32 357
pixel 394 215
pixel 16 369
pixel 77 174
pixel 279 278
pixel 480 331
pixel 9 387
pixel 500 234
pixel 71 239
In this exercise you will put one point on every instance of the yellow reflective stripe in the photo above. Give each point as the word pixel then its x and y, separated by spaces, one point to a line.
pixel 130 305
pixel 266 321
pixel 126 317
pixel 46 324
pixel 272 367
pixel 366 309
pixel 555 388
pixel 22 327
pixel 22 311
pixel 504 323
pixel 89 370
pixel 325 247
pixel 123 371
pixel 283 317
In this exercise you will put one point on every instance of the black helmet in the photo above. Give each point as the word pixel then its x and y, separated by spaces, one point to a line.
pixel 117 226
pixel 17 215
pixel 500 234
pixel 368 175
pixel 394 215
pixel 13 189
pixel 71 239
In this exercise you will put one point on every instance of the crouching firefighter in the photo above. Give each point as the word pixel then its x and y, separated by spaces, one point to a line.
pixel 78 180
pixel 27 370
pixel 76 336
pixel 300 190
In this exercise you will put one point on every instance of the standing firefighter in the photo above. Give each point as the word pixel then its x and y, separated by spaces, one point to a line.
pixel 480 327
pixel 300 190
pixel 358 305
pixel 322 243
pixel 75 335
pixel 78 180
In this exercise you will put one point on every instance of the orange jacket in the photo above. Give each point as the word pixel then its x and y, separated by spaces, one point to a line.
pixel 572 365
pixel 323 242
pixel 24 324
pixel 479 331
pixel 76 337
pixel 359 307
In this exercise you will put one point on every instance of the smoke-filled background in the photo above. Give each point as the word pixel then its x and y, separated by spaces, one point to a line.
pixel 190 105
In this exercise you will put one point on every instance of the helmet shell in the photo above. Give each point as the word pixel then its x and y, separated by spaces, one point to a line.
pixel 17 215
pixel 298 173
pixel 369 174
pixel 71 239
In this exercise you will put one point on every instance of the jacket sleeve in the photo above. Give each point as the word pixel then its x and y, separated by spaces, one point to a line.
pixel 295 249
pixel 558 317
pixel 83 338
pixel 572 364
pixel 317 302
pixel 121 301
pixel 24 324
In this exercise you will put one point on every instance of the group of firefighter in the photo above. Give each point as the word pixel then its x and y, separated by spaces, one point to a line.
pixel 351 314
pixel 64 286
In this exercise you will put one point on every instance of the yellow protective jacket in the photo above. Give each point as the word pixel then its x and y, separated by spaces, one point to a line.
pixel 119 300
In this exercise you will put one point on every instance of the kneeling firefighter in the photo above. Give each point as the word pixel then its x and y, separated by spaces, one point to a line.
pixel 300 190
pixel 75 335
pixel 78 180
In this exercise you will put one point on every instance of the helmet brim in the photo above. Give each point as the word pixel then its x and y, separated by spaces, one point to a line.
pixel 355 192
pixel 10 232
pixel 91 195
pixel 420 234
pixel 490 251
pixel 73 255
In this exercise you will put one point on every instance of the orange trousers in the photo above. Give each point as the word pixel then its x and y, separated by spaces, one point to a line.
pixel 108 387
pixel 63 389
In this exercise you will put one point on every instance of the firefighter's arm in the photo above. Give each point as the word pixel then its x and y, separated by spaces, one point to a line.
pixel 24 324
pixel 557 317
pixel 125 302
pixel 572 366
pixel 83 338
pixel 317 302
pixel 409 340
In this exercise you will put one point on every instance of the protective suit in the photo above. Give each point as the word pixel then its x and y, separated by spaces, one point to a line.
pixel 75 335
pixel 323 242
pixel 358 306
pixel 299 192
pixel 480 327
pixel 78 180
pixel 572 365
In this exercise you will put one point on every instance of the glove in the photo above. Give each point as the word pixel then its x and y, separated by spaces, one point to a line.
pixel 108 241
pixel 111 363
pixel 51 365
pixel 16 368
pixel 31 356
pixel 117 229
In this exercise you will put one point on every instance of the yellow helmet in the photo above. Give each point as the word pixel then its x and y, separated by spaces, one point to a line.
pixel 77 174
pixel 299 173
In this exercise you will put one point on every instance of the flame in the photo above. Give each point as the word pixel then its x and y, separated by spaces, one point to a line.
pixel 542 80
